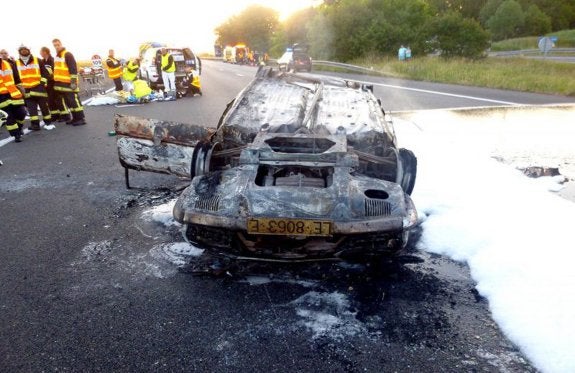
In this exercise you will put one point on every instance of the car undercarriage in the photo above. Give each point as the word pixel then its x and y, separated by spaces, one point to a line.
pixel 299 168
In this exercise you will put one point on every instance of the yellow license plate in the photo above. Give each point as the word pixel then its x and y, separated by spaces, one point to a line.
pixel 289 227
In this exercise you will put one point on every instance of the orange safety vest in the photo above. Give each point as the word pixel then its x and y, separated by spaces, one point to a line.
pixel 114 72
pixel 7 84
pixel 29 74
pixel 61 71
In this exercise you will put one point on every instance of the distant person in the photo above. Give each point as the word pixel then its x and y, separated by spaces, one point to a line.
pixel 130 73
pixel 169 73
pixel 401 53
pixel 408 53
pixel 55 102
pixel 114 70
pixel 12 100
pixel 6 57
pixel 34 77
pixel 66 82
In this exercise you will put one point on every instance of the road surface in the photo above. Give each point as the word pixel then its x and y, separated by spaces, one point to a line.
pixel 88 285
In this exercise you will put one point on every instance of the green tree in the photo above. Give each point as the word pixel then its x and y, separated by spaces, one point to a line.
pixel 536 22
pixel 489 10
pixel 562 12
pixel 507 21
pixel 467 8
pixel 320 35
pixel 454 35
pixel 363 27
pixel 296 25
pixel 254 26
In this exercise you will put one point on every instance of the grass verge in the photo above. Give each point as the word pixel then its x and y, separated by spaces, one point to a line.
pixel 519 74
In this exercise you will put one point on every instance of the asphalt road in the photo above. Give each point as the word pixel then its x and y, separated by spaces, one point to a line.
pixel 86 284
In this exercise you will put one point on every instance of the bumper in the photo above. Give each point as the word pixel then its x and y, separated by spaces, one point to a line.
pixel 239 223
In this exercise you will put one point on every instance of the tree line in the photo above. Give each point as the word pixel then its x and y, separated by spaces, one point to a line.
pixel 348 29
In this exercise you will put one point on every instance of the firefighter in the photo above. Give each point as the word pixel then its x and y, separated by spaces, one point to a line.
pixel 66 82
pixel 114 70
pixel 34 78
pixel 130 73
pixel 12 100
pixel 58 109
pixel 6 57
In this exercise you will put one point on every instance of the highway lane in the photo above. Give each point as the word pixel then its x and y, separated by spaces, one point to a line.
pixel 87 284
pixel 401 94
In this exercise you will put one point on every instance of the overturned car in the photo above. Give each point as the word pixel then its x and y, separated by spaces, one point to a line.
pixel 299 168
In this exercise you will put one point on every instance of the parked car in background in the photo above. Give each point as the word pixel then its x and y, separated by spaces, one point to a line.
pixel 295 59
pixel 188 65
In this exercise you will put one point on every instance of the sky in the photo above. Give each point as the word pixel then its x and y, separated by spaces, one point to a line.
pixel 88 28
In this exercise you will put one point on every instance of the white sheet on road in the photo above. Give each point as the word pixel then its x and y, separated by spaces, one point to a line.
pixel 516 236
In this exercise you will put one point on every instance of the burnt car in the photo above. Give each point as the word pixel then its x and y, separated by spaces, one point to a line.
pixel 299 168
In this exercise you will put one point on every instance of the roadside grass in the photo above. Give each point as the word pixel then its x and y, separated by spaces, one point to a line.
pixel 517 74
pixel 515 44
pixel 565 39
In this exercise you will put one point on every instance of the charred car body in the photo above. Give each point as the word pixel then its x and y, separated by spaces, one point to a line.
pixel 299 168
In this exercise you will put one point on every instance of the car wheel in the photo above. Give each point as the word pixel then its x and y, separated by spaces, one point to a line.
pixel 409 167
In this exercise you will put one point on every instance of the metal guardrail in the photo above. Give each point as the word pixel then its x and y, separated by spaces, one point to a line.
pixel 531 52
pixel 346 66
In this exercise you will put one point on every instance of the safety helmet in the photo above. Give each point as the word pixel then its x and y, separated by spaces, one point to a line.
pixel 23 46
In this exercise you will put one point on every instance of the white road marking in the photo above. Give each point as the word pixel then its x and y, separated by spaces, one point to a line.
pixel 441 93
pixel 6 141
pixel 240 75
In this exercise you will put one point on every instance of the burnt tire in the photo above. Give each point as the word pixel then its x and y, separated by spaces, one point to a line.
pixel 409 167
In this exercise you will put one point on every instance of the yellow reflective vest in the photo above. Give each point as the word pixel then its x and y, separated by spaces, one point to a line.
pixel 131 71
pixel 141 89
pixel 165 62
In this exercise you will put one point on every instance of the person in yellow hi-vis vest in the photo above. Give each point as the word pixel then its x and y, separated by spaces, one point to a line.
pixel 169 74
pixel 130 73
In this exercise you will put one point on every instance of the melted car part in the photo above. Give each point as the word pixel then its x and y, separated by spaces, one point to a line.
pixel 299 168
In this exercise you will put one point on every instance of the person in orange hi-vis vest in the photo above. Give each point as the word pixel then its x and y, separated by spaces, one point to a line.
pixel 66 82
pixel 34 78
pixel 12 100
pixel 114 70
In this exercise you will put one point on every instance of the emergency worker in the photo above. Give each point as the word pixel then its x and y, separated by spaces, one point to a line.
pixel 114 70
pixel 12 100
pixel 66 82
pixel 34 77
pixel 58 109
pixel 169 73
pixel 130 73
